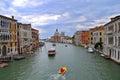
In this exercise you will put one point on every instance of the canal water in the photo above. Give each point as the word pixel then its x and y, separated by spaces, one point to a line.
pixel 80 64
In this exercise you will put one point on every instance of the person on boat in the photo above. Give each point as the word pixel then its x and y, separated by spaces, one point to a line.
pixel 62 70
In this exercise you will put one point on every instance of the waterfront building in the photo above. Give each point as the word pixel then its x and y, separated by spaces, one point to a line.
pixel 84 37
pixel 8 36
pixel 81 38
pixel 98 34
pixel 25 38
pixel 112 39
pixel 56 36
pixel 62 35
pixel 67 39
pixel 90 36
pixel 77 38
pixel 35 38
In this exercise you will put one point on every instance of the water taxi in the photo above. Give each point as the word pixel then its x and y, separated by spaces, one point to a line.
pixel 51 52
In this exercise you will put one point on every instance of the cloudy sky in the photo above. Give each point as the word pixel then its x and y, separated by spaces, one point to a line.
pixel 68 16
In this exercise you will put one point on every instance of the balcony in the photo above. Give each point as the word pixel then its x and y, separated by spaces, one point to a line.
pixel 109 32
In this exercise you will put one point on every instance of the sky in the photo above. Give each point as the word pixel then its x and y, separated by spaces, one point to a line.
pixel 67 16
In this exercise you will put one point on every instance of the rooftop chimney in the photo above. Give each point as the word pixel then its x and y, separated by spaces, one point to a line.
pixel 12 17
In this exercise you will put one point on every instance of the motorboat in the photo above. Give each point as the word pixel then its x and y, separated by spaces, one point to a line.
pixel 62 70
pixel 2 64
pixel 90 50
pixel 41 44
pixel 51 52
pixel 65 45
pixel 102 55
pixel 18 57
pixel 54 44
pixel 105 56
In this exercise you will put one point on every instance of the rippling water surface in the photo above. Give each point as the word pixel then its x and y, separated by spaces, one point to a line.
pixel 80 65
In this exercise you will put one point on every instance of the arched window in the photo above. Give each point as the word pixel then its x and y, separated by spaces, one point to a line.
pixel 118 55
pixel 0 50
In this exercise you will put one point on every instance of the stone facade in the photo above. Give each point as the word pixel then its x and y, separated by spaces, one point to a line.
pixel 112 39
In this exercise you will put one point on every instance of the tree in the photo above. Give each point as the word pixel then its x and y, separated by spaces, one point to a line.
pixel 99 46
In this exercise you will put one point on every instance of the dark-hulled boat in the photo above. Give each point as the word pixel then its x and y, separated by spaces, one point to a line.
pixel 54 44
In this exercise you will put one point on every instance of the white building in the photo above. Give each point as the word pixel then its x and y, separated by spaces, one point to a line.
pixel 25 37
pixel 112 39
pixel 77 38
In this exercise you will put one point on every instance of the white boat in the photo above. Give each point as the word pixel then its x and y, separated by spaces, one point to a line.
pixel 90 50
pixel 85 46
pixel 51 52
pixel 102 55
pixel 105 56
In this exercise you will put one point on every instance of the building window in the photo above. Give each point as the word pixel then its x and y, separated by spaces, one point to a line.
pixel 118 55
pixel 118 41
pixel 17 33
pixel 110 40
pixel 100 33
pixel 25 34
pixel 100 39
pixel 119 26
pixel 8 50
pixel 11 44
pixel 115 53
pixel 10 25
pixel 0 51
pixel 110 28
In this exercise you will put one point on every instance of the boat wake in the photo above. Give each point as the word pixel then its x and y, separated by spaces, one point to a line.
pixel 57 77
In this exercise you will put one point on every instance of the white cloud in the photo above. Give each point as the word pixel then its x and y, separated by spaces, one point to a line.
pixel 79 19
pixel 27 3
pixel 78 27
pixel 66 14
pixel 42 30
pixel 38 20
pixel 103 20
pixel 2 4
pixel 10 12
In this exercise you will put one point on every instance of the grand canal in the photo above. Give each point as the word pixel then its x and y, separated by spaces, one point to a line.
pixel 80 64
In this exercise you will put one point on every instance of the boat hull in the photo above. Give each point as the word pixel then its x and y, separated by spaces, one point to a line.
pixel 90 50
pixel 51 53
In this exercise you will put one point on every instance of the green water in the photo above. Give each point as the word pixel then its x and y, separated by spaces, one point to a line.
pixel 80 65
